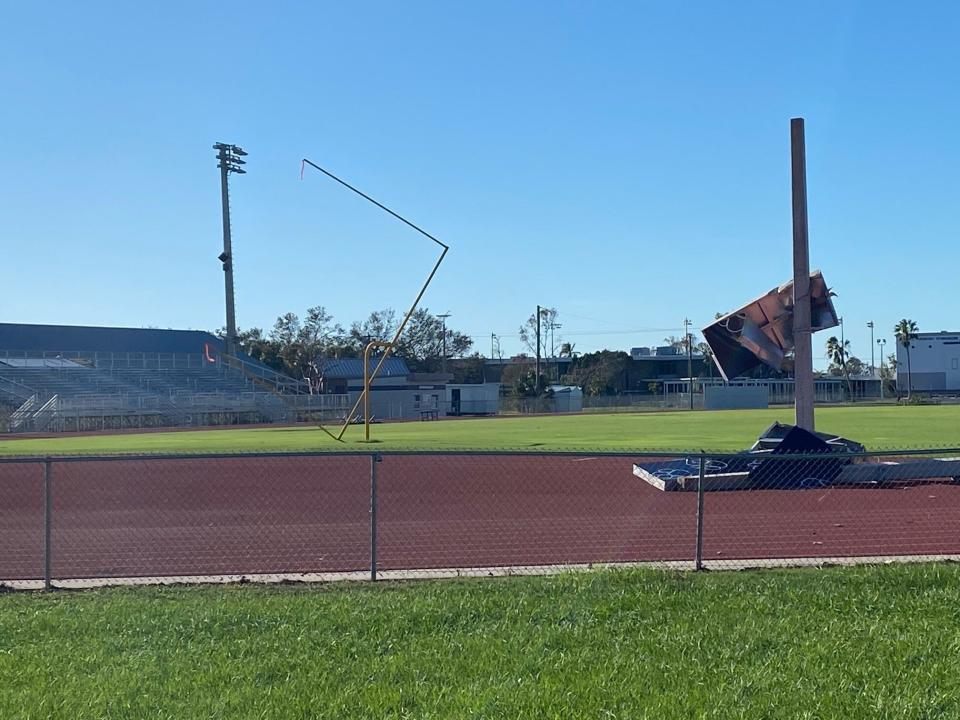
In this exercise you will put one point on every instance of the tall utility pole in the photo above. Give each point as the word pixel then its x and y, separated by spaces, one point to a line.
pixel 686 327
pixel 872 357
pixel 444 317
pixel 493 339
pixel 881 342
pixel 229 161
pixel 538 350
pixel 553 326
pixel 803 347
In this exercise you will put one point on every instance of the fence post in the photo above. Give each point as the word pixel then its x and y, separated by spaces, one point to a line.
pixel 374 459
pixel 47 521
pixel 698 560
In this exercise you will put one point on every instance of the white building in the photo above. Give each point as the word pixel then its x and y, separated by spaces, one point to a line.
pixel 473 399
pixel 934 362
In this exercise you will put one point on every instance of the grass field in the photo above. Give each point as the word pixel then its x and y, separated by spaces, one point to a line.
pixel 878 642
pixel 878 427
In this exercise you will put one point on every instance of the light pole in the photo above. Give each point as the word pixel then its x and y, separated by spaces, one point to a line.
pixel 537 379
pixel 444 317
pixel 553 348
pixel 686 327
pixel 873 367
pixel 881 342
pixel 229 161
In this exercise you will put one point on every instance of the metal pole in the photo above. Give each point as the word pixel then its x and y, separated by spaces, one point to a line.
pixel 873 367
pixel 803 348
pixel 366 392
pixel 374 459
pixel 538 352
pixel 47 522
pixel 227 257
pixel 698 560
pixel 686 326
pixel 444 317
pixel 881 342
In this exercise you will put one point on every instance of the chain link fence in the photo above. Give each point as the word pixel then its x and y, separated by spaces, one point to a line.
pixel 84 521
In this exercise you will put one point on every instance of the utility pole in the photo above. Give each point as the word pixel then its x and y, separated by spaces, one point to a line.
pixel 686 327
pixel 493 338
pixel 882 343
pixel 443 361
pixel 872 358
pixel 553 348
pixel 229 161
pixel 538 351
pixel 803 348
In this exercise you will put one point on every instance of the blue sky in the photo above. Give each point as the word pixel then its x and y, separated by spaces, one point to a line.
pixel 626 163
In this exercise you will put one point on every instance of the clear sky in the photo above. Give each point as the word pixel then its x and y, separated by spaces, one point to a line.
pixel 627 163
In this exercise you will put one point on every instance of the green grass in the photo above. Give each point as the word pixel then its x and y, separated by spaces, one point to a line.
pixel 878 642
pixel 878 427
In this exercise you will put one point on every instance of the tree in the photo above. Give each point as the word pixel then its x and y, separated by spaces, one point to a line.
pixel 420 344
pixel 888 372
pixel 469 369
pixel 905 332
pixel 837 353
pixel 600 373
pixel 319 332
pixel 286 329
pixel 892 362
pixel 380 325
pixel 528 331
pixel 707 352
pixel 855 366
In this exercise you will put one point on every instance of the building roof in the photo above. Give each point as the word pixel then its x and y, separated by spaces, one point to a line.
pixel 29 339
pixel 352 368
pixel 78 338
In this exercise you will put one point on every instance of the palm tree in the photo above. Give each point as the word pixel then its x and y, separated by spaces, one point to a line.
pixel 837 353
pixel 906 331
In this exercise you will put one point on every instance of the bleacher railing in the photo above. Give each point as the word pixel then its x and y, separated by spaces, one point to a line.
pixel 107 390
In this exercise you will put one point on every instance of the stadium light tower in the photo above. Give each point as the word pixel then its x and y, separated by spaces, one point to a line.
pixel 229 160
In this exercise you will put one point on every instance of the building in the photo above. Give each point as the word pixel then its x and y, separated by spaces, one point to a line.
pixel 395 394
pixel 934 363
pixel 473 399
pixel 667 362
pixel 645 366
pixel 566 398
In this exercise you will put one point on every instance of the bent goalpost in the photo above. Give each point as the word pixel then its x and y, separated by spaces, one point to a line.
pixel 386 345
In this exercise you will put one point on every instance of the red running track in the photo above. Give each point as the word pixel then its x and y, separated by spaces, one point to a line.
pixel 212 516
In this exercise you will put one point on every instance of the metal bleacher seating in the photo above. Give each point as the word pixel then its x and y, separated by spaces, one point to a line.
pixel 107 391
pixel 140 377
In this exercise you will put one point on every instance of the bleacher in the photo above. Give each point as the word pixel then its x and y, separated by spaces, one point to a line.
pixel 132 378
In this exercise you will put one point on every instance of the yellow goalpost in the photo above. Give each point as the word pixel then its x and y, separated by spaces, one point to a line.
pixel 386 346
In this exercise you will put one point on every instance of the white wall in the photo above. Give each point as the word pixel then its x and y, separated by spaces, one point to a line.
pixel 934 360
pixel 476 398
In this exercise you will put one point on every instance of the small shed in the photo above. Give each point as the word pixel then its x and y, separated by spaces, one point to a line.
pixel 567 398
pixel 473 399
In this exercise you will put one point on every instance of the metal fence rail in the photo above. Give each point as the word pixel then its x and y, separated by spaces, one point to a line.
pixel 77 521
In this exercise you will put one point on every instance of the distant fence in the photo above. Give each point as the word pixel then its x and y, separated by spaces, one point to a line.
pixel 74 522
